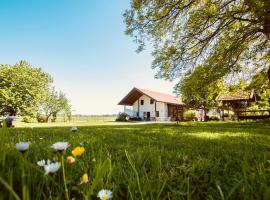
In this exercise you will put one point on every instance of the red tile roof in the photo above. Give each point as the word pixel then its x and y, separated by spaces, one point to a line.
pixel 136 93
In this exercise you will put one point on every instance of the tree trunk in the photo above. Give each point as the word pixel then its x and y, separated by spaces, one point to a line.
pixel 47 119
pixel 268 73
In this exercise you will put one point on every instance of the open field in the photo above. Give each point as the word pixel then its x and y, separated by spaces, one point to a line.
pixel 143 161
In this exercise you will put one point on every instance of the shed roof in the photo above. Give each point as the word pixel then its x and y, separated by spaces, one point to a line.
pixel 240 96
pixel 136 93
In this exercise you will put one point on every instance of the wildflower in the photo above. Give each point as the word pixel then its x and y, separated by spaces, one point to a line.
pixel 104 194
pixel 60 146
pixel 70 159
pixel 42 163
pixel 74 129
pixel 78 151
pixel 93 160
pixel 84 179
pixel 22 146
pixel 52 167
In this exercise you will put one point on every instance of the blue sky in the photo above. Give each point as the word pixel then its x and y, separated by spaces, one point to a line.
pixel 82 44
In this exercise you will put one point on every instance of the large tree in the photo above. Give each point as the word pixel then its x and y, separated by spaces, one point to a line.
pixel 22 88
pixel 53 103
pixel 222 35
pixel 198 89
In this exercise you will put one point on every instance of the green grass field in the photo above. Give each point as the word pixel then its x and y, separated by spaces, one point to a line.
pixel 142 161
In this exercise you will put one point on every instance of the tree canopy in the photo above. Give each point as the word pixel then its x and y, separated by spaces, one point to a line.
pixel 194 91
pixel 222 35
pixel 53 103
pixel 28 91
pixel 22 87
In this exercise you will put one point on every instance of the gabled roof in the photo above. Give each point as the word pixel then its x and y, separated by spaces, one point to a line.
pixel 240 96
pixel 136 93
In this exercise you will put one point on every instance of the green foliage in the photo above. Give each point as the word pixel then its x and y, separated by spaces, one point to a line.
pixel 223 36
pixel 199 89
pixel 154 161
pixel 52 103
pixel 189 115
pixel 261 85
pixel 122 117
pixel 29 119
pixel 27 90
pixel 22 87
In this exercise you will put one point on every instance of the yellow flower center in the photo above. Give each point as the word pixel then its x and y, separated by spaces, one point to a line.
pixel 104 196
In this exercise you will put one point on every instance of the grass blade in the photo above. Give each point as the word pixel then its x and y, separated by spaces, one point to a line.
pixel 9 188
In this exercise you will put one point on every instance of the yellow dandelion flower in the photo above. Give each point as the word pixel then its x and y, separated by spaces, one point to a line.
pixel 70 159
pixel 78 151
pixel 84 179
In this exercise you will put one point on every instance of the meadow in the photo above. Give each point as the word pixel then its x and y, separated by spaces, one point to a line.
pixel 140 161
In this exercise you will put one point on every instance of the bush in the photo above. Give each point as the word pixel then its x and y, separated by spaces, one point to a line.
pixel 41 118
pixel 135 119
pixel 122 117
pixel 225 115
pixel 189 115
pixel 214 118
pixel 28 119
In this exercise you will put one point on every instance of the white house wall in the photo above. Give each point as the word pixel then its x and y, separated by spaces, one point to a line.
pixel 147 107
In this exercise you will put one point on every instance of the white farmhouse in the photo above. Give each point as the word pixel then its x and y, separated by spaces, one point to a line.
pixel 150 105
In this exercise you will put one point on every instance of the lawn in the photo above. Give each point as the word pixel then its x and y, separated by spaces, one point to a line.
pixel 144 161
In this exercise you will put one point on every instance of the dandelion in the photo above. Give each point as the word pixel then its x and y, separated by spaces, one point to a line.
pixel 52 167
pixel 84 179
pixel 78 151
pixel 22 146
pixel 70 159
pixel 60 146
pixel 74 129
pixel 104 194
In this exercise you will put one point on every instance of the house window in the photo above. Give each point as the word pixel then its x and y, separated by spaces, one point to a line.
pixel 151 101
pixel 157 113
pixel 142 102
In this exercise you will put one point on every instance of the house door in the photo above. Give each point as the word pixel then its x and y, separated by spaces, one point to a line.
pixel 148 116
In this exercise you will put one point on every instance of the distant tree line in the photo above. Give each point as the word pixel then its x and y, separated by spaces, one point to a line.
pixel 28 91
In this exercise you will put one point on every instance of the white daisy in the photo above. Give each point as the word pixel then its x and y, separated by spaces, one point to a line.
pixel 104 194
pixel 52 167
pixel 22 146
pixel 60 146
pixel 74 129
pixel 41 163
